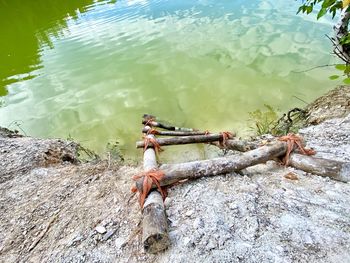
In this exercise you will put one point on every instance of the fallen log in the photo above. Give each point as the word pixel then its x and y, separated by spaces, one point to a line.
pixel 172 133
pixel 184 140
pixel 155 237
pixel 336 170
pixel 192 170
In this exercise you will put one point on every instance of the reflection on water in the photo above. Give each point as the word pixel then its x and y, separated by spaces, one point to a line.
pixel 90 69
pixel 26 27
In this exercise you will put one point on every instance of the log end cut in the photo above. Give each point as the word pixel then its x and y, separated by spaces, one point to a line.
pixel 344 174
pixel 155 236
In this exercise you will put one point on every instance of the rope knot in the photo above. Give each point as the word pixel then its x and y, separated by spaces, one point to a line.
pixel 149 121
pixel 152 131
pixel 225 136
pixel 293 141
pixel 150 177
pixel 149 141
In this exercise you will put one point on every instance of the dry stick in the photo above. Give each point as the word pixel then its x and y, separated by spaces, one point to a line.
pixel 184 140
pixel 42 233
pixel 174 133
pixel 155 236
pixel 336 170
pixel 192 170
pixel 166 127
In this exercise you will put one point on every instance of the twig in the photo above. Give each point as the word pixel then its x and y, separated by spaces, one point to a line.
pixel 316 67
pixel 301 100
pixel 42 234
pixel 133 234
pixel 337 51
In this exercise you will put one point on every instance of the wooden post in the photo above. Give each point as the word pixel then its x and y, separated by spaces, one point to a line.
pixel 155 236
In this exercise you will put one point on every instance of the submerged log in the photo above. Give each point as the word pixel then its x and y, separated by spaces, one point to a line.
pixel 336 170
pixel 155 237
pixel 172 133
pixel 192 170
pixel 184 140
pixel 154 123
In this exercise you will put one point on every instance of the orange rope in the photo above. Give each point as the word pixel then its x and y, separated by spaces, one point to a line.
pixel 149 122
pixel 152 131
pixel 150 177
pixel 292 141
pixel 225 136
pixel 148 141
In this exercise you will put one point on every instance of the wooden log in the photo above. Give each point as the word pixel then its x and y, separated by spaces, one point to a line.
pixel 155 237
pixel 184 140
pixel 165 126
pixel 174 133
pixel 336 170
pixel 238 145
pixel 192 170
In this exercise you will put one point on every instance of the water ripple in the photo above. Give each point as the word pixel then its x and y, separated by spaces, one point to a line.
pixel 202 63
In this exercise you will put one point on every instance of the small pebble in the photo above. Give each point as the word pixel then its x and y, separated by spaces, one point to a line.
pixel 108 234
pixel 101 229
pixel 189 213
pixel 291 176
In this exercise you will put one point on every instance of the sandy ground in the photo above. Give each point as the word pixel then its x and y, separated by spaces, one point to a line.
pixel 54 209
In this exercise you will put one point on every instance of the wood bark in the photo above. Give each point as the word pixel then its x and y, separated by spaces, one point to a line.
pixel 184 140
pixel 238 145
pixel 174 133
pixel 155 237
pixel 192 170
pixel 336 170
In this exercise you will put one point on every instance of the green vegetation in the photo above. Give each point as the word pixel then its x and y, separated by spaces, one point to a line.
pixel 264 121
pixel 327 6
pixel 268 122
pixel 341 38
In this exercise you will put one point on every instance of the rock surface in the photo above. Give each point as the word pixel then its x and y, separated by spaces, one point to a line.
pixel 19 155
pixel 50 211
pixel 334 104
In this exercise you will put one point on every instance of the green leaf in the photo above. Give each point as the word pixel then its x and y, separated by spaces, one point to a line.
pixel 346 81
pixel 322 12
pixel 309 9
pixel 341 67
pixel 328 3
pixel 301 9
pixel 347 70
pixel 345 39
pixel 333 77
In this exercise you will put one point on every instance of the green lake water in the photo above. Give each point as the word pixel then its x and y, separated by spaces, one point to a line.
pixel 90 69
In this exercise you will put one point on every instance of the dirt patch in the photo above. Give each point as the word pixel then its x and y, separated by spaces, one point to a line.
pixel 19 155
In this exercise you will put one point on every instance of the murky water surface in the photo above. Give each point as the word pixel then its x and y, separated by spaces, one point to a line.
pixel 89 70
